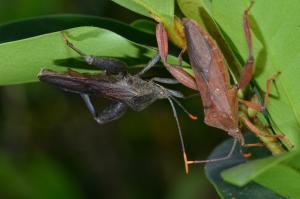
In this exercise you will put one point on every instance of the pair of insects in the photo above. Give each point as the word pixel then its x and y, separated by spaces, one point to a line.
pixel 219 97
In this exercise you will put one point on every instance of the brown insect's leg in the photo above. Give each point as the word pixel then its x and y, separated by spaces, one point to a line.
pixel 253 105
pixel 162 41
pixel 177 72
pixel 257 106
pixel 268 88
pixel 246 74
pixel 180 56
pixel 257 131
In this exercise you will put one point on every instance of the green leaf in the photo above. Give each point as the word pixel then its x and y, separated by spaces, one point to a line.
pixel 160 11
pixel 194 8
pixel 282 179
pixel 50 51
pixel 144 25
pixel 276 35
pixel 280 174
pixel 46 24
pixel 150 8
pixel 36 177
pixel 242 174
pixel 226 190
pixel 24 57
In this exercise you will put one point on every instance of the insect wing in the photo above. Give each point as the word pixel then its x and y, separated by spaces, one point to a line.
pixel 72 81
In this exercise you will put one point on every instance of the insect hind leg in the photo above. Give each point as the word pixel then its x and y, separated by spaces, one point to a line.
pixel 110 65
pixel 110 113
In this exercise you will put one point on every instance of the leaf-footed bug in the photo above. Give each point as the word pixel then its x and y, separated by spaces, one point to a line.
pixel 116 84
pixel 219 98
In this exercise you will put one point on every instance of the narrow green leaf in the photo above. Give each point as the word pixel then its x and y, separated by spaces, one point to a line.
pixel 162 9
pixel 193 9
pixel 282 179
pixel 144 25
pixel 242 174
pixel 46 24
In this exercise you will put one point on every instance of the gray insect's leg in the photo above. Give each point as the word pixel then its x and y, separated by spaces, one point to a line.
pixel 110 65
pixel 150 64
pixel 165 80
pixel 110 113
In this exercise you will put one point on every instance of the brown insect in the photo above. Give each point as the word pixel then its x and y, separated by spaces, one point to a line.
pixel 219 98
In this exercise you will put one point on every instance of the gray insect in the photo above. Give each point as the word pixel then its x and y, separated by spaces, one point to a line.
pixel 116 84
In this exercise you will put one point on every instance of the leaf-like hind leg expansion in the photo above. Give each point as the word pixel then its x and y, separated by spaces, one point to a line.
pixel 110 65
pixel 110 113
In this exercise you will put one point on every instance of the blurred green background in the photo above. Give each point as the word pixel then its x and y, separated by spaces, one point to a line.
pixel 50 147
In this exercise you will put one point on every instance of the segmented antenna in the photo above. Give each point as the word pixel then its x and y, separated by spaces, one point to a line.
pixel 180 136
pixel 193 117
pixel 186 161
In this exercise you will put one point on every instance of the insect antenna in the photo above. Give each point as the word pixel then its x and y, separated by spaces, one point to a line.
pixel 193 117
pixel 180 135
pixel 216 159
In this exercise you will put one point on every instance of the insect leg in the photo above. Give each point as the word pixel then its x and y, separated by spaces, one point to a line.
pixel 180 136
pixel 177 72
pixel 110 65
pixel 110 113
pixel 150 64
pixel 257 106
pixel 246 74
pixel 268 139
pixel 268 88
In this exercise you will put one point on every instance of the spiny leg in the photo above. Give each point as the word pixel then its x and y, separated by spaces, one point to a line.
pixel 110 65
pixel 110 113
pixel 268 139
pixel 246 74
